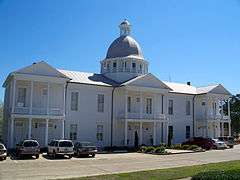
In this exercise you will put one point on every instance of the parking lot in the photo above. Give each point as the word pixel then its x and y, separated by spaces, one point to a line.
pixel 45 168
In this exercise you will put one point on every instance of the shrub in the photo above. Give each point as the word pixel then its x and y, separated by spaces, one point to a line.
pixel 185 147
pixel 160 150
pixel 177 146
pixel 218 175
pixel 143 149
pixel 192 147
pixel 149 149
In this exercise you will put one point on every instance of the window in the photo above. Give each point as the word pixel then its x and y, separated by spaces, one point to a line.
pixel 125 65
pixel 74 101
pixel 149 106
pixel 99 132
pixel 188 107
pixel 133 65
pixel 100 101
pixel 170 134
pixel 187 132
pixel 44 92
pixel 203 103
pixel 129 104
pixel 114 65
pixel 108 66
pixel 21 100
pixel 73 131
pixel 170 106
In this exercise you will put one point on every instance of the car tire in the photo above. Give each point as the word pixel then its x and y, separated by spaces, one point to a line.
pixel 37 156
pixel 93 155
pixel 70 156
pixel 54 154
pixel 231 147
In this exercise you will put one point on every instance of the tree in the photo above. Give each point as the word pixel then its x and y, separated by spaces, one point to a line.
pixel 235 114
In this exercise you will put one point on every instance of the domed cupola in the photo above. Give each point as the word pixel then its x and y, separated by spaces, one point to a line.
pixel 124 59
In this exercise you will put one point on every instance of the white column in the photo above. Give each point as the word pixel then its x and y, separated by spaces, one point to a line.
pixel 63 126
pixel 48 98
pixel 229 129
pixel 140 133
pixel 141 105
pixel 14 94
pixel 12 132
pixel 31 98
pixel 154 133
pixel 229 112
pixel 64 98
pixel 126 132
pixel 126 104
pixel 30 128
pixel 46 133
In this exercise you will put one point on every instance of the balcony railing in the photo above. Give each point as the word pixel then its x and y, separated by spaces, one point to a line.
pixel 134 115
pixel 217 117
pixel 38 111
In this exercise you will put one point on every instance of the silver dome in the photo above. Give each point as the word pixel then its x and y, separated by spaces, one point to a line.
pixel 124 46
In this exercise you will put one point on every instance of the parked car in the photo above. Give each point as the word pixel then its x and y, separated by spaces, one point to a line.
pixel 205 143
pixel 219 144
pixel 3 152
pixel 229 141
pixel 85 148
pixel 28 148
pixel 60 147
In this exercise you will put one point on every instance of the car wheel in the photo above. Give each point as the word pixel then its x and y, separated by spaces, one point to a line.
pixel 231 146
pixel 93 155
pixel 37 156
pixel 70 156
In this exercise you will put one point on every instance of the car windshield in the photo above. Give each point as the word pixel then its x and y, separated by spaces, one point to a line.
pixel 86 144
pixel 65 144
pixel 30 144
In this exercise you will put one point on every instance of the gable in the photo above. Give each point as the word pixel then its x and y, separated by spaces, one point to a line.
pixel 220 90
pixel 41 68
pixel 147 80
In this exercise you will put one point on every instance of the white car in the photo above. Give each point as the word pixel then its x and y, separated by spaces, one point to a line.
pixel 60 147
pixel 3 152
pixel 219 144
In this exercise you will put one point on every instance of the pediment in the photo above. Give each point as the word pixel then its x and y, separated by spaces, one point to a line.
pixel 41 68
pixel 147 80
pixel 219 89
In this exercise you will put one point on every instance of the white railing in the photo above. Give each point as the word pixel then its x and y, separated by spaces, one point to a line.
pixel 38 111
pixel 134 115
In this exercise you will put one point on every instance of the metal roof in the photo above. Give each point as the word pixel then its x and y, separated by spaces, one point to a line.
pixel 88 78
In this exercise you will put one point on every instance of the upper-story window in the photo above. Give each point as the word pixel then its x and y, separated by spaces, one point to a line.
pixel 188 107
pixel 170 106
pixel 149 106
pixel 74 101
pixel 100 102
pixel 129 104
pixel 133 65
pixel 22 94
pixel 114 65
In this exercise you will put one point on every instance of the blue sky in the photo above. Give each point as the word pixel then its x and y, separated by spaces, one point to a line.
pixel 197 41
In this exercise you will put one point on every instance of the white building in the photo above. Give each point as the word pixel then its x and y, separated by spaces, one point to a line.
pixel 124 105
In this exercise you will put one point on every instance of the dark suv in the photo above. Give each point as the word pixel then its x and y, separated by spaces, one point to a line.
pixel 85 148
pixel 205 143
pixel 28 147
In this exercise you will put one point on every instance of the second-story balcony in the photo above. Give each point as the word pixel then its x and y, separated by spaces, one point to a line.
pixel 143 116
pixel 216 117
pixel 38 111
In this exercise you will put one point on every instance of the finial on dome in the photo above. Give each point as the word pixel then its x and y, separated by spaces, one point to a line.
pixel 125 28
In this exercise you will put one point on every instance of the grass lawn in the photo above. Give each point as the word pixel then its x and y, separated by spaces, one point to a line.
pixel 172 173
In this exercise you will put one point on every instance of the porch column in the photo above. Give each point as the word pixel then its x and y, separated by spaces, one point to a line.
pixel 12 132
pixel 166 132
pixel 141 105
pixel 48 97
pixel 46 133
pixel 140 133
pixel 154 133
pixel 30 128
pixel 14 94
pixel 126 131
pixel 229 111
pixel 126 104
pixel 63 128
pixel 31 98
pixel 229 129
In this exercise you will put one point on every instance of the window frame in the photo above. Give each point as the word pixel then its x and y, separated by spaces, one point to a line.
pixel 73 134
pixel 148 105
pixel 100 103
pixel 74 107
pixel 170 108
pixel 188 132
pixel 188 107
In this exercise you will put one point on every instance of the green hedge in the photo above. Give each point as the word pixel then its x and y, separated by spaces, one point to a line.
pixel 218 175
